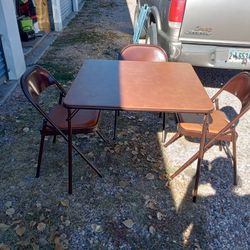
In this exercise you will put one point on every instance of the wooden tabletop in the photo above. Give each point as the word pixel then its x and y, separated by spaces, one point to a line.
pixel 138 86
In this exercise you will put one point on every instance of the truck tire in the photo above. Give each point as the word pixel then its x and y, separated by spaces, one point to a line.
pixel 151 36
pixel 136 15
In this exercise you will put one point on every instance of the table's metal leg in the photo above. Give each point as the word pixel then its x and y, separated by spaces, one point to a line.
pixel 69 153
pixel 115 124
pixel 200 157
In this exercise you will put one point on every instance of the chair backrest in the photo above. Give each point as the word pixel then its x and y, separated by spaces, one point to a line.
pixel 239 86
pixel 143 52
pixel 34 81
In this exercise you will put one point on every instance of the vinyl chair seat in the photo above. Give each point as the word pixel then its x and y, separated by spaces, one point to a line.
pixel 191 125
pixel 83 119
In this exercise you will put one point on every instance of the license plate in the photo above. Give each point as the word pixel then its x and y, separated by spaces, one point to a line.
pixel 239 56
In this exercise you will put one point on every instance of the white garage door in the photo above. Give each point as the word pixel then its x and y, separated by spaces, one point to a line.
pixel 80 2
pixel 66 8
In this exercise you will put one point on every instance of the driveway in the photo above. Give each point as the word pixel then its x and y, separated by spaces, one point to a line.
pixel 130 207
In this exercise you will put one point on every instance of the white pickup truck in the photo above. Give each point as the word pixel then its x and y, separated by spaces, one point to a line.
pixel 204 33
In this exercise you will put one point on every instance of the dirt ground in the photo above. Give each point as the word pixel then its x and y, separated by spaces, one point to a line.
pixel 130 207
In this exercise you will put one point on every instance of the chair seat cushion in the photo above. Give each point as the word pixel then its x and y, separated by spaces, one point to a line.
pixel 191 125
pixel 82 120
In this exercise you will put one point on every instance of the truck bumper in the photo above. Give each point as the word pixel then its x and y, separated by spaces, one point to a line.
pixel 210 56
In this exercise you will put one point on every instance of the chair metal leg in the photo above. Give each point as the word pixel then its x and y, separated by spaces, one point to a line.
pixel 234 158
pixel 160 114
pixel 173 139
pixel 187 163
pixel 220 145
pixel 163 127
pixel 203 147
pixel 101 136
pixel 69 153
pixel 200 156
pixel 85 159
pixel 40 156
pixel 70 147
pixel 115 123
pixel 54 139
pixel 177 119
pixel 197 177
pixel 202 150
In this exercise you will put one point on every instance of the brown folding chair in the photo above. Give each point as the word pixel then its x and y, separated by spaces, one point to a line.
pixel 220 129
pixel 36 80
pixel 143 52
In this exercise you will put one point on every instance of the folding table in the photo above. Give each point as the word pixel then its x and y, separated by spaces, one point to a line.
pixel 137 86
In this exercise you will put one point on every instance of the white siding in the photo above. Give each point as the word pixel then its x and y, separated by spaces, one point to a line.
pixel 11 42
pixel 2 64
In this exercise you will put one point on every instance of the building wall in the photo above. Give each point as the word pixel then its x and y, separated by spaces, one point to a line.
pixel 80 3
pixel 11 42
pixel 3 69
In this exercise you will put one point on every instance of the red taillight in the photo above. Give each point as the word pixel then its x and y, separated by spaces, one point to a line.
pixel 176 11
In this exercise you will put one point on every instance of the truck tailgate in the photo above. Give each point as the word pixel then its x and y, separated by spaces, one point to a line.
pixel 224 22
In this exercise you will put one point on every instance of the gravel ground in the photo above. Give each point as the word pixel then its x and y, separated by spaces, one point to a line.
pixel 130 207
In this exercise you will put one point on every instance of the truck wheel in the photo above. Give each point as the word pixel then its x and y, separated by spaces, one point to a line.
pixel 151 36
pixel 136 15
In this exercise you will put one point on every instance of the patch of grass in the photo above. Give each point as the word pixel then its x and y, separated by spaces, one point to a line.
pixel 61 72
pixel 108 4
pixel 87 36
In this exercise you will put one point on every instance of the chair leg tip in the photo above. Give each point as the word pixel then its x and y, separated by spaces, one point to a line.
pixel 167 185
pixel 194 199
pixel 235 181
